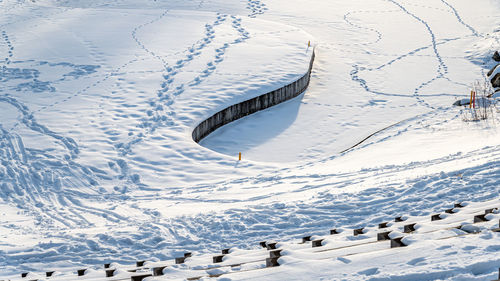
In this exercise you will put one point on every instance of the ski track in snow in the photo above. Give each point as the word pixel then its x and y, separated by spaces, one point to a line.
pixel 44 176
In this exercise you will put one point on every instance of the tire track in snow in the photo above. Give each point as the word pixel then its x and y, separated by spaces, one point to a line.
pixel 28 181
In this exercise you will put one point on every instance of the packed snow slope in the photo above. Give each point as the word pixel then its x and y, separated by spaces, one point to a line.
pixel 98 100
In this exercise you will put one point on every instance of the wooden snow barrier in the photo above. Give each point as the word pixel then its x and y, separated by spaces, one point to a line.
pixel 81 272
pixel 409 228
pixel 49 273
pixel 317 243
pixel 480 218
pixel 275 253
pixel 496 57
pixel 110 272
pixel 245 108
pixel 383 225
pixel 24 274
pixel 436 217
pixel 399 219
pixel 452 210
pixel 140 277
pixel 397 242
pixel 140 263
pixel 217 259
pixel 306 239
pixel 334 231
pixel 263 244
pixel 225 251
pixel 272 262
pixel 358 231
pixel 180 260
pixel 381 236
pixel 158 271
pixel 271 246
pixel 490 211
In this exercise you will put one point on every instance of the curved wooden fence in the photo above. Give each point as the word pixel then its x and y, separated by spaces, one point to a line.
pixel 242 109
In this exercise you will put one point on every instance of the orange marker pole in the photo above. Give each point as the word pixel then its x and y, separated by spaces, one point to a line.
pixel 239 158
pixel 470 101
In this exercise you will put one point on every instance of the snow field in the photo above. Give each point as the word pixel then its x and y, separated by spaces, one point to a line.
pixel 98 165
pixel 400 58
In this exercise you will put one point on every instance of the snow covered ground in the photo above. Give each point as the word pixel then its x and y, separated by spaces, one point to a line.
pixel 98 101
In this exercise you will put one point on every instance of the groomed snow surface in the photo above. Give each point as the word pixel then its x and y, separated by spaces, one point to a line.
pixel 98 100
